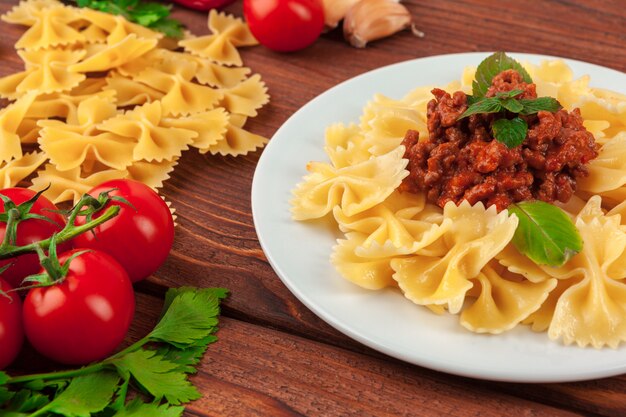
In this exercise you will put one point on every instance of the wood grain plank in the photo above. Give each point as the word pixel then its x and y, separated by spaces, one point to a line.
pixel 252 370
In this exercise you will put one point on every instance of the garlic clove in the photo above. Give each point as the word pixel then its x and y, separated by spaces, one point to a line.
pixel 335 11
pixel 369 20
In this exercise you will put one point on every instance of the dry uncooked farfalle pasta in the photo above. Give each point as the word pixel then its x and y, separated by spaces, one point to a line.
pixel 105 98
pixel 228 33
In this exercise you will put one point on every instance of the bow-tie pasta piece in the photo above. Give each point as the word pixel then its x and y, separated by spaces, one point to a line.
pixel 153 142
pixel 236 140
pixel 607 172
pixel 211 126
pixel 182 96
pixel 228 32
pixel 592 311
pixel 369 273
pixel 114 55
pixel 130 92
pixel 475 237
pixel 401 225
pixel 46 72
pixel 26 13
pixel 354 188
pixel 219 76
pixel 69 146
pixel 116 27
pixel 385 123
pixel 70 185
pixel 503 303
pixel 14 171
pixel 245 98
pixel 11 118
pixel 345 145
pixel 153 174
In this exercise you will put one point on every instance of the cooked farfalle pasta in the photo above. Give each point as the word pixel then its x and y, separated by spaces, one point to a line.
pixel 353 188
pixel 102 98
pixel 228 33
pixel 473 236
pixel 345 145
pixel 461 260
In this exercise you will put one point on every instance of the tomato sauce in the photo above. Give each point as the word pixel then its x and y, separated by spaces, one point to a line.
pixel 460 160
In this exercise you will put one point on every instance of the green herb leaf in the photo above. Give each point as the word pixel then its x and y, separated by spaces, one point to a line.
pixel 158 376
pixel 149 14
pixel 189 316
pixel 531 106
pixel 492 66
pixel 485 105
pixel 508 94
pixel 137 408
pixel 510 132
pixel 85 395
pixel 545 233
pixel 26 401
pixel 4 378
pixel 512 105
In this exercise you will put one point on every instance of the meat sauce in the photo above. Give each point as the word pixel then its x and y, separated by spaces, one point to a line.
pixel 460 160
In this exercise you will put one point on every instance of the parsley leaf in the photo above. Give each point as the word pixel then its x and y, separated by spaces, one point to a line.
pixel 149 14
pixel 545 233
pixel 176 345
pixel 492 66
pixel 137 408
pixel 85 395
pixel 184 321
pixel 510 132
pixel 531 106
pixel 155 374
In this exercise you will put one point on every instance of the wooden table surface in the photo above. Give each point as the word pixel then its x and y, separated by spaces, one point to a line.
pixel 274 357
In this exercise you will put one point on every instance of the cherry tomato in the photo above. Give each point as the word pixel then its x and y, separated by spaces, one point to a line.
pixel 204 5
pixel 11 332
pixel 84 317
pixel 285 25
pixel 29 231
pixel 139 237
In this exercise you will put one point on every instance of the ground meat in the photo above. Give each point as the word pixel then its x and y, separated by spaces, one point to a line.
pixel 460 160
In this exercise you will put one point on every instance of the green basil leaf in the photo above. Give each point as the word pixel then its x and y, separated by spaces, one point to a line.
pixel 545 233
pixel 492 66
pixel 510 132
pixel 485 105
pixel 531 106
pixel 512 105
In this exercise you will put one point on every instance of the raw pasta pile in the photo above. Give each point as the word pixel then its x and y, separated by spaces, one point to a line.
pixel 103 98
pixel 460 259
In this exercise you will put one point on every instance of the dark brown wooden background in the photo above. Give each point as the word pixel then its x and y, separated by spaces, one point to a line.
pixel 275 357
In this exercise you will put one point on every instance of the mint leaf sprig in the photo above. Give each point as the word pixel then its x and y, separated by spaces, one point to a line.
pixel 511 132
pixel 158 365
pixel 149 14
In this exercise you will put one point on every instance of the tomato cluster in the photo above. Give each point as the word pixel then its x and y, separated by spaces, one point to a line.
pixel 84 314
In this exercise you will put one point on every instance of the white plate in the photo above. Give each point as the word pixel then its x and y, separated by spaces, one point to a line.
pixel 384 320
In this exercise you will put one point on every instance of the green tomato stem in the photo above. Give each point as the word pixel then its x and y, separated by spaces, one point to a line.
pixel 69 232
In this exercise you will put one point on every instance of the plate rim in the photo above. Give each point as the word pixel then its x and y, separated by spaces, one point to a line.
pixel 312 305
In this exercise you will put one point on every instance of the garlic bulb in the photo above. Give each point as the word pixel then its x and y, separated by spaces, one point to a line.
pixel 335 11
pixel 368 20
